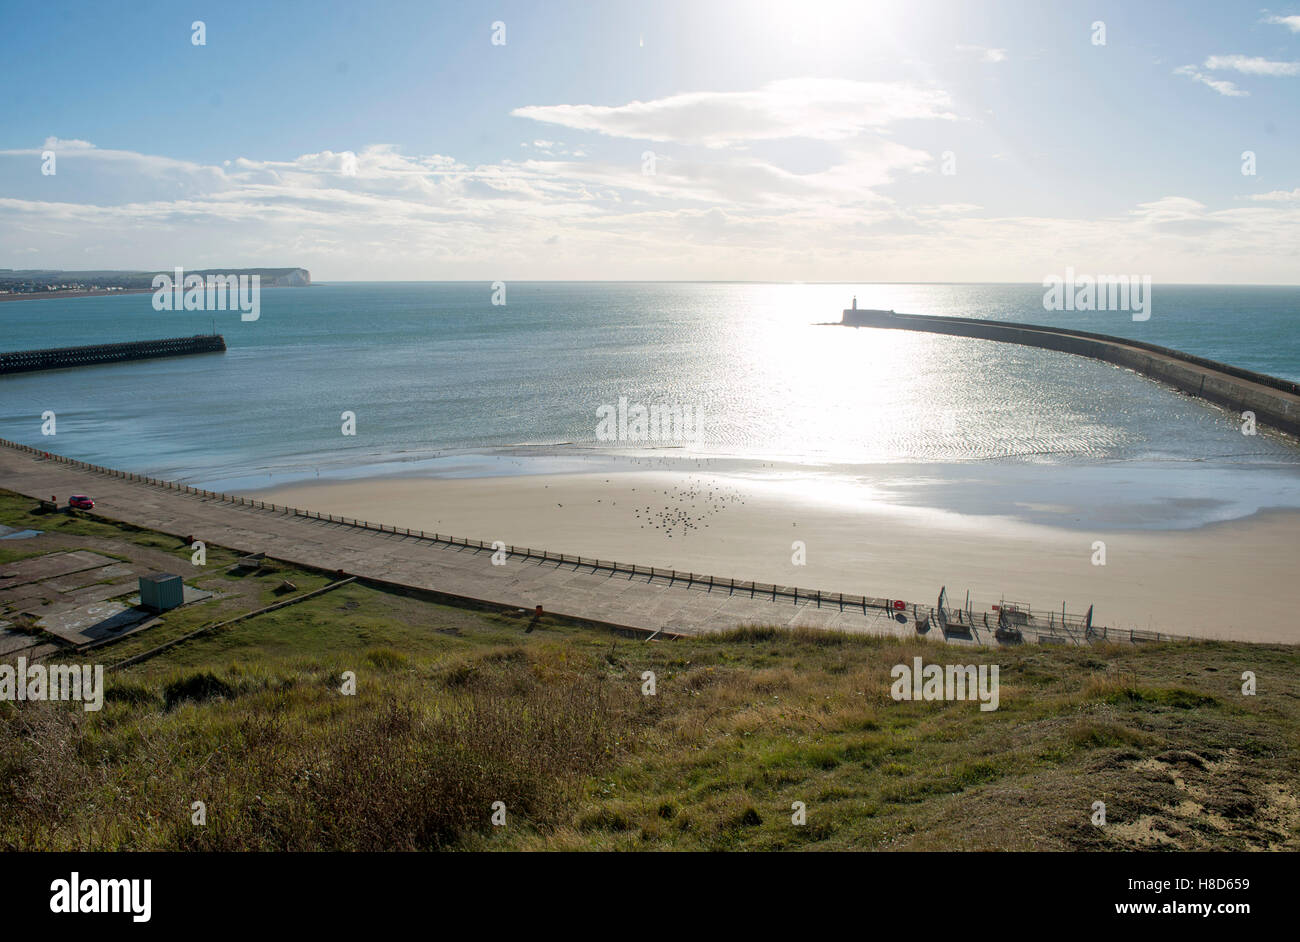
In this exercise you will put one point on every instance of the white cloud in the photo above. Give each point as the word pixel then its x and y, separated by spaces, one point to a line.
pixel 58 144
pixel 1222 86
pixel 1253 65
pixel 985 53
pixel 1175 213
pixel 1290 22
pixel 821 109
pixel 733 216
pixel 1278 196
pixel 745 181
pixel 947 209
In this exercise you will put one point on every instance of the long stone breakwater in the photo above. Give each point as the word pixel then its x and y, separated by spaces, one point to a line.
pixel 1275 402
pixel 57 358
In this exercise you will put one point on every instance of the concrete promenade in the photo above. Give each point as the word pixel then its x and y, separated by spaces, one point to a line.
pixel 645 600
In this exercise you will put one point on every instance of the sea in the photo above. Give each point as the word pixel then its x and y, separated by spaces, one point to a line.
pixel 440 379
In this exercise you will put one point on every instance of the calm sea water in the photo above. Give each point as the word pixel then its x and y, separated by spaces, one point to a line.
pixel 436 369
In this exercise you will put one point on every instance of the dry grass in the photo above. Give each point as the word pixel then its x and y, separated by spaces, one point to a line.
pixel 285 762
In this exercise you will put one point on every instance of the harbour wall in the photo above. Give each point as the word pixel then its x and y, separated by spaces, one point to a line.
pixel 58 358
pixel 1275 402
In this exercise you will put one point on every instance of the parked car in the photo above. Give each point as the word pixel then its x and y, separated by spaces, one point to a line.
pixel 81 502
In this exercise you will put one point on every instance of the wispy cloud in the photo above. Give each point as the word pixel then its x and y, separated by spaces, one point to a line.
pixel 821 109
pixel 1290 22
pixel 379 213
pixel 985 53
pixel 1253 65
pixel 59 144
pixel 1278 196
pixel 1222 86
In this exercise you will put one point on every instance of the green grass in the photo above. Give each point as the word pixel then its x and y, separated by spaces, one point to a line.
pixel 457 709
pixel 16 551
pixel 20 512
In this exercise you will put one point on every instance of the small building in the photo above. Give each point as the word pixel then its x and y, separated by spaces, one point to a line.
pixel 161 591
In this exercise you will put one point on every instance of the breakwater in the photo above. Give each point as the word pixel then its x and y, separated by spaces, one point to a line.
pixel 58 358
pixel 1275 402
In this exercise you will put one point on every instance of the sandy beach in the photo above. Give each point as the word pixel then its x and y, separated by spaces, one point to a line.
pixel 1234 579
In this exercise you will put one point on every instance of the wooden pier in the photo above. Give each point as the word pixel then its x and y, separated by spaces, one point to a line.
pixel 60 358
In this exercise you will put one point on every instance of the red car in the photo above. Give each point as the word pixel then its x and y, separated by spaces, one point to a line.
pixel 81 502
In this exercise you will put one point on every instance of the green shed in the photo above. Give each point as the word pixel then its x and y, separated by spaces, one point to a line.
pixel 161 591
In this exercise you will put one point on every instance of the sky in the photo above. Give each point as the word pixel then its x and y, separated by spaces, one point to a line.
pixel 753 140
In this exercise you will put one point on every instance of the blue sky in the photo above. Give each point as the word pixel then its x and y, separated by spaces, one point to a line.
pixel 792 139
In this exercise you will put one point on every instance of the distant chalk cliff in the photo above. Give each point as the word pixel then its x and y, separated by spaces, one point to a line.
pixel 292 278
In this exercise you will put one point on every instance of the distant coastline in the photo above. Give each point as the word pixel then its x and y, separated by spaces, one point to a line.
pixel 89 293
pixel 27 284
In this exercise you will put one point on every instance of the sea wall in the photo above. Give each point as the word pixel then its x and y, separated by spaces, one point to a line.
pixel 1275 402
pixel 57 358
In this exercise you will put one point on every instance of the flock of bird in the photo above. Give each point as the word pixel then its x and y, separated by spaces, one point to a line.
pixel 688 507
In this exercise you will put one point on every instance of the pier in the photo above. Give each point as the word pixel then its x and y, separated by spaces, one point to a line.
pixel 59 358
pixel 1275 402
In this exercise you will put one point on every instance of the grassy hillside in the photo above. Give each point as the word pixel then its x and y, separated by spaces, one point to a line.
pixel 455 710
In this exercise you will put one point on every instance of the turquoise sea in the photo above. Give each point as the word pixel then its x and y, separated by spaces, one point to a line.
pixel 442 381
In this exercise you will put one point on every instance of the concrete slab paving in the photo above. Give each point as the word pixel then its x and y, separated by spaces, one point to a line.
pixel 23 595
pixel 41 568
pixel 85 577
pixel 14 643
pixel 99 593
pixel 94 622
